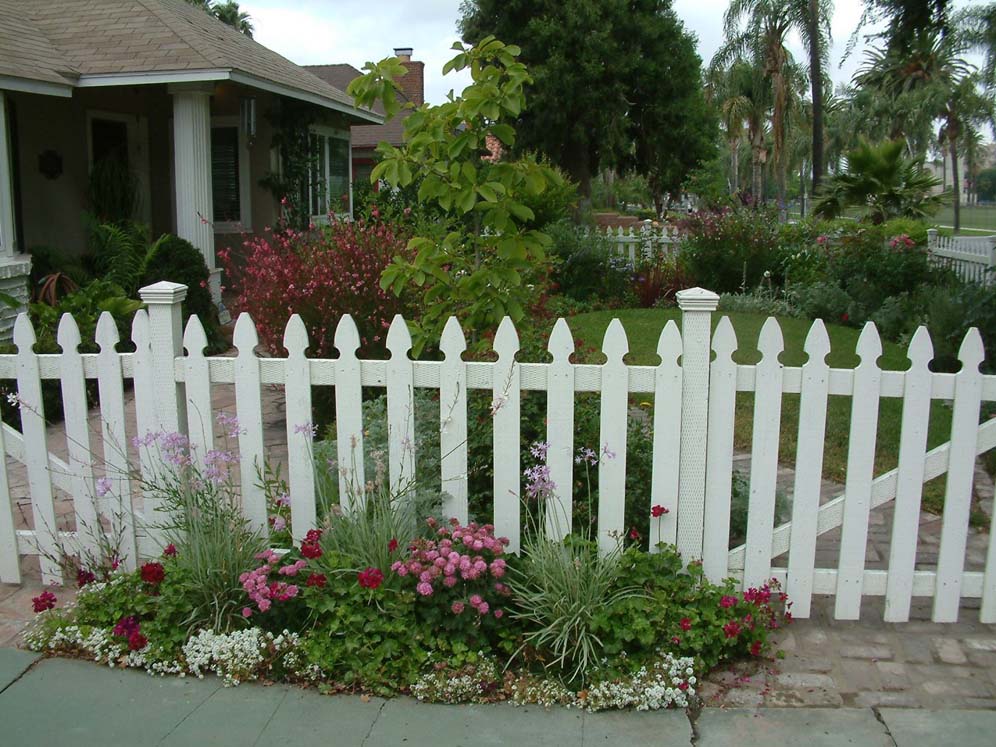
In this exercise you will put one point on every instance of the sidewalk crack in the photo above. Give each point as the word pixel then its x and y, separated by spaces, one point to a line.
pixel 27 669
pixel 878 717
pixel 263 730
pixel 179 723
pixel 374 722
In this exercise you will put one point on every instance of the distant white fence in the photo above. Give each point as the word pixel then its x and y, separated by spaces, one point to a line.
pixel 692 430
pixel 973 258
pixel 637 243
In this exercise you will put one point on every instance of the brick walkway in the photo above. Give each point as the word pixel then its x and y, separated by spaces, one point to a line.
pixel 826 662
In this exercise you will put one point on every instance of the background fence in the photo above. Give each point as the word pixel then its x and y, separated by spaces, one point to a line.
pixel 692 430
pixel 973 258
pixel 637 243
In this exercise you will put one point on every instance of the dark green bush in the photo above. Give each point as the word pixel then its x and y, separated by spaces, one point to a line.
pixel 585 268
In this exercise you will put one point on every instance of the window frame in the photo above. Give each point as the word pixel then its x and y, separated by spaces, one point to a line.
pixel 324 133
pixel 244 224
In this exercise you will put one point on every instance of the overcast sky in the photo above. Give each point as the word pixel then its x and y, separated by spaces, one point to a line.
pixel 325 31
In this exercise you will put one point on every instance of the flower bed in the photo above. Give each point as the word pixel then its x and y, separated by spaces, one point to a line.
pixel 388 600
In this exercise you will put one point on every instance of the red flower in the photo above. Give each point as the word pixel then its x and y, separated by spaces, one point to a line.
pixel 682 685
pixel 844 317
pixel 675 640
pixel 371 578
pixel 633 534
pixel 313 535
pixel 392 545
pixel 755 648
pixel 170 550
pixel 658 511
pixel 137 641
pixel 153 573
pixel 84 577
pixel 44 601
pixel 311 550
pixel 732 629
pixel 316 579
pixel 686 624
pixel 126 626
pixel 727 601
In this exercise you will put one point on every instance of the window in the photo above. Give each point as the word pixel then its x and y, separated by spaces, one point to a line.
pixel 329 188
pixel 229 176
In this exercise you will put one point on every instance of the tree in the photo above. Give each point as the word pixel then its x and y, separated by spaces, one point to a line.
pixel 585 58
pixel 882 182
pixel 985 185
pixel 673 127
pixel 227 12
pixel 478 265
pixel 976 25
pixel 766 26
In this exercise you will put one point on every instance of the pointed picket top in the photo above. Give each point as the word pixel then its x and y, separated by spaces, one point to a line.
pixel 452 342
pixel 669 343
pixel 245 338
pixel 347 337
pixel 869 347
pixel 24 333
pixel 561 343
pixel 399 339
pixel 194 338
pixel 107 336
pixel 296 337
pixel 770 342
pixel 817 344
pixel 68 334
pixel 921 349
pixel 724 339
pixel 506 339
pixel 615 344
pixel 140 328
pixel 972 352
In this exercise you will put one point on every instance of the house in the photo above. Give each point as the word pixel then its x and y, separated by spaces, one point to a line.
pixel 367 137
pixel 186 107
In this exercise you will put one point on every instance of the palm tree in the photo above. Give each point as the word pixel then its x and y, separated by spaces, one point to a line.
pixel 730 91
pixel 977 27
pixel 930 76
pixel 768 23
pixel 230 13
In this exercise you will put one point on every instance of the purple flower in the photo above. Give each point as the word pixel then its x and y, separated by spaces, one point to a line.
pixel 539 449
pixel 307 429
pixel 103 486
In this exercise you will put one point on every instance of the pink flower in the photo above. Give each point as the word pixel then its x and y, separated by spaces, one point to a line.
pixel 727 601
pixel 424 588
pixel 246 612
pixel 457 608
pixel 499 613
pixel 482 608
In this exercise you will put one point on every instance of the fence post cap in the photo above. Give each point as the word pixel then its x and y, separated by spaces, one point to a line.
pixel 697 299
pixel 163 292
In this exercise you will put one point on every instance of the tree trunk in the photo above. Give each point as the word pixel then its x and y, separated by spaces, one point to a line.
pixel 802 188
pixel 955 182
pixel 816 80
pixel 734 166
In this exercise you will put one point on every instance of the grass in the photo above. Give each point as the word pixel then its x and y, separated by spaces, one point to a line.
pixel 643 328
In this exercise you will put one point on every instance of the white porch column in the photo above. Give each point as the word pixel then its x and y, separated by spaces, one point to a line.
pixel 14 267
pixel 192 166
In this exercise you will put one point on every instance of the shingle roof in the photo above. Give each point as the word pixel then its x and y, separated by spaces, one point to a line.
pixel 25 52
pixel 105 37
pixel 364 136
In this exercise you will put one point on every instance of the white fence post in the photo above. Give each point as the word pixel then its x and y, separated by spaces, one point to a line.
pixel 931 239
pixel 992 261
pixel 164 301
pixel 697 305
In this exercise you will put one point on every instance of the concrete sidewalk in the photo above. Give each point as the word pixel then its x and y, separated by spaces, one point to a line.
pixel 63 702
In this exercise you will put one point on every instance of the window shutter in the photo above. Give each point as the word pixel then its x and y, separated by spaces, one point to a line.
pixel 225 174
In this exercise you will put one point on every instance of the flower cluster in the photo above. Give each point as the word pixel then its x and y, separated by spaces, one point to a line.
pixel 44 601
pixel 130 629
pixel 153 573
pixel 902 241
pixel 465 559
pixel 239 656
pixel 264 592
pixel 667 682
pixel 310 547
pixel 370 578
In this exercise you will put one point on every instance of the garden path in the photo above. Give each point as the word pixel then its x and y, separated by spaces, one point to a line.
pixel 826 662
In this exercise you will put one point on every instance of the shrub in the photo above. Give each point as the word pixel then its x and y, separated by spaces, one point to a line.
pixel 727 250
pixel 658 279
pixel 320 273
pixel 586 268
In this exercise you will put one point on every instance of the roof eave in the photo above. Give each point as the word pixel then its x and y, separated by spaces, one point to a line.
pixel 360 115
pixel 31 85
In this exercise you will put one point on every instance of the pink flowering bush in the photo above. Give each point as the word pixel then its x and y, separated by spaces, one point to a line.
pixel 320 273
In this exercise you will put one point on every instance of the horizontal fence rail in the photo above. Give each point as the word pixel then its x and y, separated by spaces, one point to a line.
pixel 639 243
pixel 694 387
pixel 972 258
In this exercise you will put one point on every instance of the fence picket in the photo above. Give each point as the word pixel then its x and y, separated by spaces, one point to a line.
pixel 76 427
pixel 110 389
pixel 667 436
pixel 909 486
pixel 860 471
pixel 249 407
pixel 36 450
pixel 961 469
pixel 560 431
pixel 764 455
pixel 453 421
pixel 987 612
pixel 612 438
pixel 506 397
pixel 200 415
pixel 719 452
pixel 10 562
pixel 808 468
pixel 300 434
pixel 349 416
pixel 146 425
pixel 400 408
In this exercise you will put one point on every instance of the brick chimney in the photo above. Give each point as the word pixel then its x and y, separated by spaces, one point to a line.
pixel 413 84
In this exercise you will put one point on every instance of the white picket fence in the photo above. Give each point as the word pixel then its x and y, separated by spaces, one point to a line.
pixel 641 243
pixel 973 258
pixel 693 436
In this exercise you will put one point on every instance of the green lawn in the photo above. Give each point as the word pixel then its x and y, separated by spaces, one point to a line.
pixel 643 328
